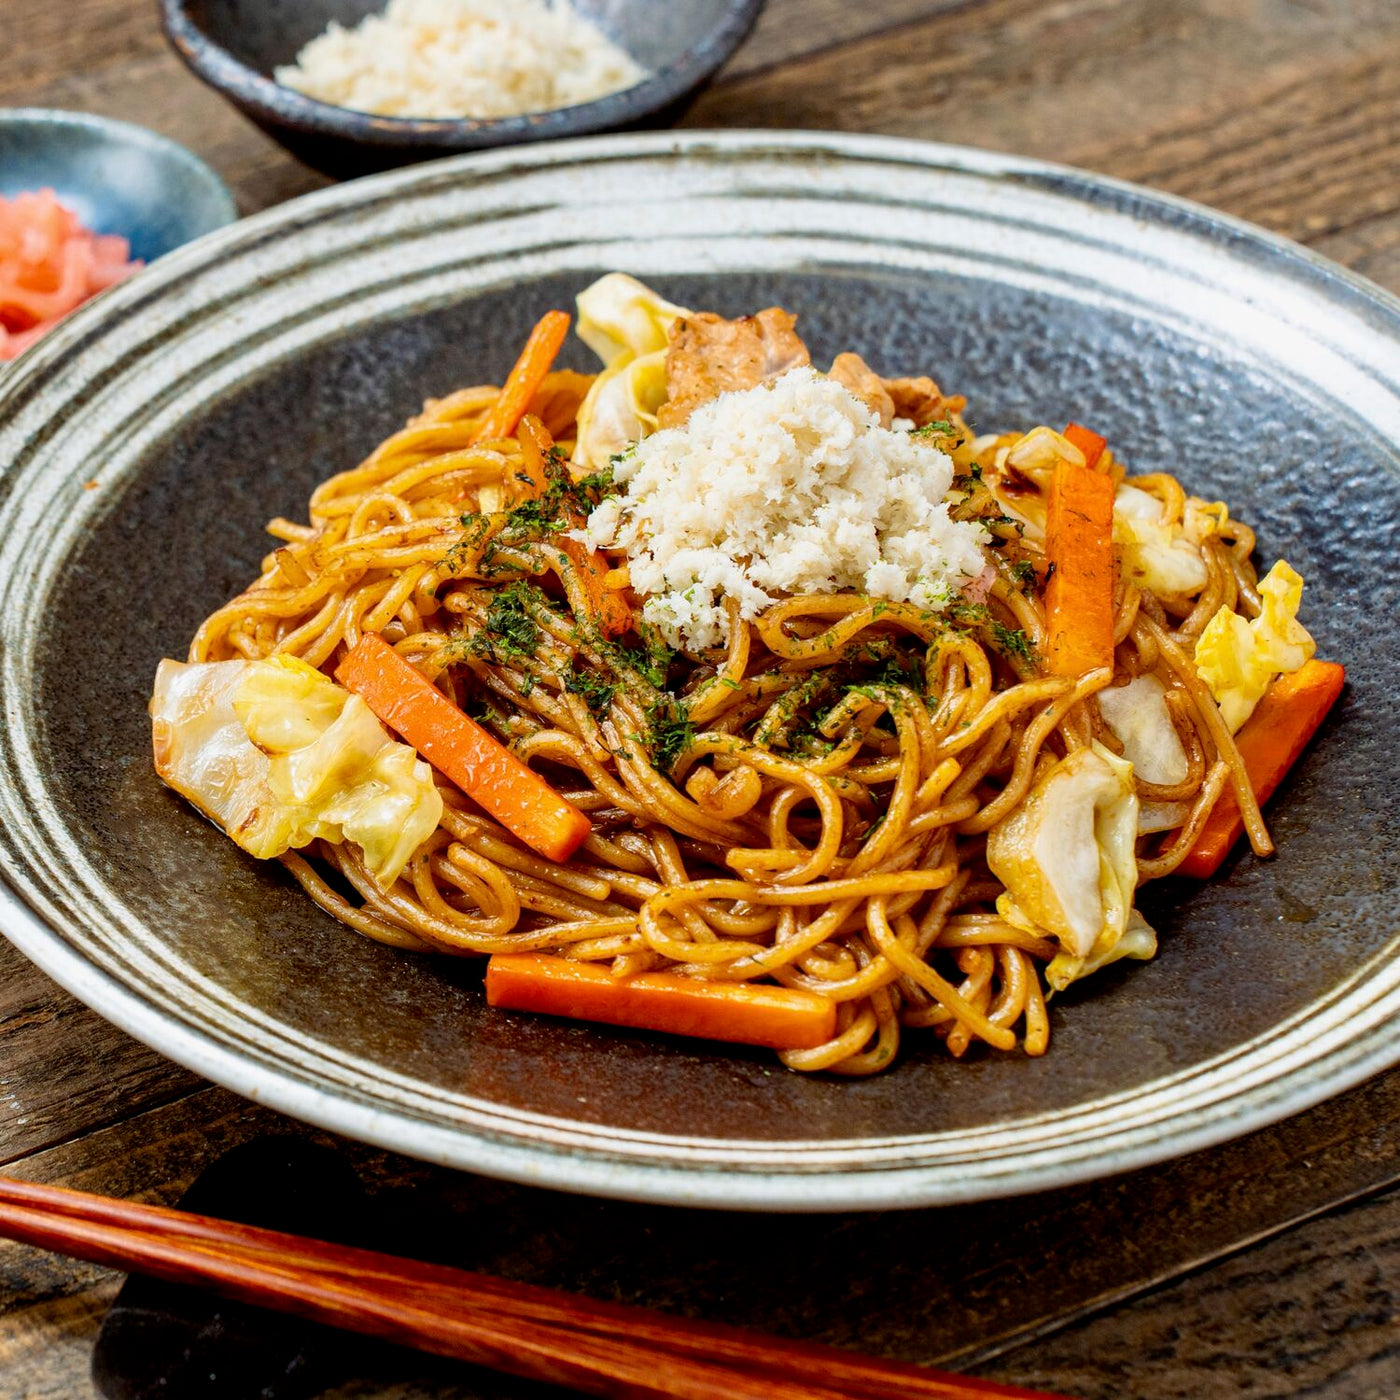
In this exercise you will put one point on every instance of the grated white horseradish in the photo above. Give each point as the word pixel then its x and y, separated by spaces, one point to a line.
pixel 462 58
pixel 789 488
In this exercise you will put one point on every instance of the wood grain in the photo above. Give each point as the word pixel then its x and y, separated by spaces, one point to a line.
pixel 1282 111
pixel 789 29
pixel 63 1069
pixel 618 1351
pixel 935 1287
pixel 55 41
pixel 1315 1312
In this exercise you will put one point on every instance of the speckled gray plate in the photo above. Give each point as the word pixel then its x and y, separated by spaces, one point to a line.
pixel 218 389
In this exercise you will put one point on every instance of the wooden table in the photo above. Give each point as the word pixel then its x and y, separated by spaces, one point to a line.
pixel 1269 1267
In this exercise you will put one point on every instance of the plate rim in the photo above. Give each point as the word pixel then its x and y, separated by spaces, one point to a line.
pixel 597 1173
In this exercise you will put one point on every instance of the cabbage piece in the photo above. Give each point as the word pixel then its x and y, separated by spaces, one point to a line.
pixel 1139 941
pixel 1161 816
pixel 1201 519
pixel 279 756
pixel 1159 557
pixel 1138 716
pixel 628 326
pixel 1066 854
pixel 620 318
pixel 1037 452
pixel 348 782
pixel 202 751
pixel 1020 473
pixel 620 410
pixel 1238 659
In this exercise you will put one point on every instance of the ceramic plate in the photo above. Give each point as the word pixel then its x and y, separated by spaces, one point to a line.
pixel 145 442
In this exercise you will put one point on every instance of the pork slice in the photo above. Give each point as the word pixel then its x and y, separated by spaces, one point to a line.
pixel 709 356
pixel 922 400
pixel 854 374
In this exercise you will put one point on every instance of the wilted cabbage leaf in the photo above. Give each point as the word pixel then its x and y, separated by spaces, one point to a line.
pixel 1162 816
pixel 203 752
pixel 620 409
pixel 1138 716
pixel 1020 473
pixel 1201 519
pixel 622 318
pixel 1162 558
pixel 1239 658
pixel 627 325
pixel 1037 452
pixel 1138 940
pixel 279 756
pixel 1066 856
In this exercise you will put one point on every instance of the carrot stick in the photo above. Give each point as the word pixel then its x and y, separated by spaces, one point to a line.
pixel 462 750
pixel 1088 442
pixel 742 1012
pixel 535 442
pixel 1079 591
pixel 524 380
pixel 608 607
pixel 1269 741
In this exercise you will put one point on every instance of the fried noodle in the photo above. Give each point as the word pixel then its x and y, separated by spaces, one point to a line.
pixel 809 807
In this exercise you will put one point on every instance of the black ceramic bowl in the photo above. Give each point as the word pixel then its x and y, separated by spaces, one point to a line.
pixel 234 46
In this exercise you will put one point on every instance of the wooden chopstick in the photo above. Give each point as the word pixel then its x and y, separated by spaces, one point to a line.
pixel 607 1349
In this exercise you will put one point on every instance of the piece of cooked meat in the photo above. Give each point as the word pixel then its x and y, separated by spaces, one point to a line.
pixel 922 400
pixel 850 370
pixel 709 356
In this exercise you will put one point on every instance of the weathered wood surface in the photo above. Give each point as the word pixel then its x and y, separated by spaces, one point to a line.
pixel 1286 112
pixel 961 1287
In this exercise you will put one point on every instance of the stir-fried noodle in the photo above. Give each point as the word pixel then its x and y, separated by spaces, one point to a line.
pixel 809 806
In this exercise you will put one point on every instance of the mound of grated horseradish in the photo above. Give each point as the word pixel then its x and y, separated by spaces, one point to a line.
pixel 789 488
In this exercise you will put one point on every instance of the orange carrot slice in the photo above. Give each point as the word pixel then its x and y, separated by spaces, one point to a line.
pixel 1269 741
pixel 535 443
pixel 741 1012
pixel 524 380
pixel 608 607
pixel 1088 442
pixel 462 750
pixel 1079 592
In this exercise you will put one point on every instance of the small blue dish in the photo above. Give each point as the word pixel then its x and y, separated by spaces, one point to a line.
pixel 116 177
pixel 234 46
